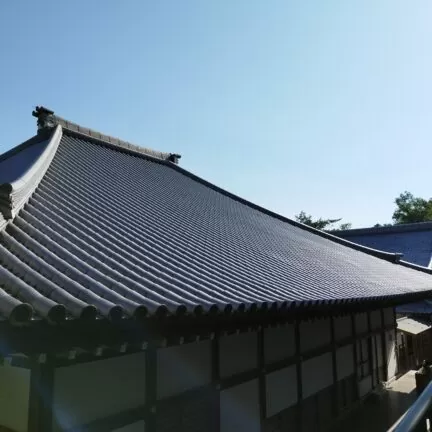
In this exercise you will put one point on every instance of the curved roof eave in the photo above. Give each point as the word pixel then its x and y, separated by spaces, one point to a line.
pixel 14 194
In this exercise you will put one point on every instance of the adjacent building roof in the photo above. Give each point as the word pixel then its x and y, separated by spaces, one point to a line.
pixel 423 307
pixel 98 229
pixel 412 326
pixel 414 240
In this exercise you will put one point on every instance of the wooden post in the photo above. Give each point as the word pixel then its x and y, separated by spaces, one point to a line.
pixel 299 374
pixel 261 377
pixel 216 379
pixel 383 347
pixel 354 333
pixel 40 416
pixel 335 401
pixel 151 386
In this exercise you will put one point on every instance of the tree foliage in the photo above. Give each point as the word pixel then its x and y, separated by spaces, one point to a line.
pixel 410 209
pixel 321 224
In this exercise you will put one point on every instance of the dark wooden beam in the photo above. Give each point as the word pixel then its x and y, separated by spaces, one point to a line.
pixel 261 376
pixel 335 400
pixel 299 374
pixel 354 334
pixel 383 347
pixel 215 378
pixel 151 387
pixel 40 416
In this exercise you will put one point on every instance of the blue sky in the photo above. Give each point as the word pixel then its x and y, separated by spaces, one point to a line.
pixel 322 106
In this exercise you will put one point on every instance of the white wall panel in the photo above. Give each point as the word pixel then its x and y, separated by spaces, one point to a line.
pixel 361 321
pixel 14 397
pixel 343 327
pixel 238 353
pixel 345 362
pixel 134 427
pixel 365 386
pixel 379 349
pixel 183 367
pixel 317 374
pixel 279 343
pixel 239 408
pixel 281 390
pixel 314 334
pixel 89 391
pixel 376 319
pixel 391 354
pixel 389 317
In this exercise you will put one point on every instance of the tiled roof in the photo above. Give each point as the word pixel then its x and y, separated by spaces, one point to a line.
pixel 99 230
pixel 421 307
pixel 414 241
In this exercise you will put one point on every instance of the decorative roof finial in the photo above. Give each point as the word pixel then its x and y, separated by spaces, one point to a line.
pixel 174 158
pixel 45 118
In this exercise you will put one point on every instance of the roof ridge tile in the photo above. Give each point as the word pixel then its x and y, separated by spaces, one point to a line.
pixel 47 119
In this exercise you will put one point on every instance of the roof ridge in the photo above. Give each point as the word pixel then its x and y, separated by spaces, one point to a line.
pixel 408 227
pixel 47 120
pixel 387 256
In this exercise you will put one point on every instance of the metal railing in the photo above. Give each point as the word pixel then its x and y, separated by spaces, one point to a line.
pixel 417 418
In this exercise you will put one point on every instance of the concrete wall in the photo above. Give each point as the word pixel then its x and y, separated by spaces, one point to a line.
pixel 14 397
pixel 90 391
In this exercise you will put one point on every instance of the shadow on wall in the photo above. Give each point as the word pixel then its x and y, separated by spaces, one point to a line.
pixel 379 411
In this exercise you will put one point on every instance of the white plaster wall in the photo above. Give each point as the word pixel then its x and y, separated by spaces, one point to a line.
pixel 183 367
pixel 391 354
pixel 239 408
pixel 342 327
pixel 279 343
pixel 361 321
pixel 91 391
pixel 314 334
pixel 281 390
pixel 389 317
pixel 365 386
pixel 376 319
pixel 379 349
pixel 14 397
pixel 238 353
pixel 399 337
pixel 316 374
pixel 345 362
pixel 134 427
pixel 374 352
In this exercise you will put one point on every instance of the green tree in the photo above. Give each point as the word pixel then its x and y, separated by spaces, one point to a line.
pixel 320 223
pixel 410 209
